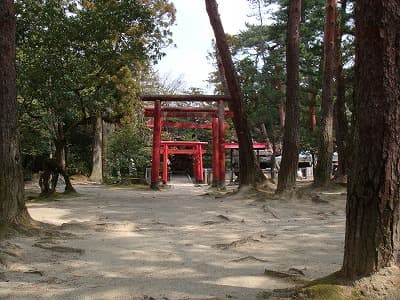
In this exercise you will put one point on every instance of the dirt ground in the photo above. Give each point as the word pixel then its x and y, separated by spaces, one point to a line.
pixel 179 243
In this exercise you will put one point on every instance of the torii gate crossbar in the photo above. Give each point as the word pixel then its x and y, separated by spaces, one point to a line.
pixel 218 116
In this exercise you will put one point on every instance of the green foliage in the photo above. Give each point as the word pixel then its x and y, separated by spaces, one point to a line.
pixel 259 51
pixel 259 63
pixel 127 153
pixel 79 148
pixel 35 139
pixel 76 59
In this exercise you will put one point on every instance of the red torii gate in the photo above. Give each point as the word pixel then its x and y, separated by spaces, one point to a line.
pixel 218 129
pixel 183 147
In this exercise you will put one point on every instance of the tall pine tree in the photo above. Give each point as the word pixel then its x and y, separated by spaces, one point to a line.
pixel 372 215
pixel 291 137
pixel 12 205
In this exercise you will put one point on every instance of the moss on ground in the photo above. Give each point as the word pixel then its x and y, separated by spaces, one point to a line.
pixel 31 196
pixel 331 287
pixel 135 187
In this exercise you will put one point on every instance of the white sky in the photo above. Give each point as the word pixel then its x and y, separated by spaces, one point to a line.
pixel 193 35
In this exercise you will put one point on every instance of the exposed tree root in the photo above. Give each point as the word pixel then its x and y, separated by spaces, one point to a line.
pixel 237 243
pixel 60 249
pixel 54 196
pixel 24 225
pixel 268 209
pixel 291 273
pixel 249 259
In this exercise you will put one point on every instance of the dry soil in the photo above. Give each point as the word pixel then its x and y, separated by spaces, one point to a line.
pixel 183 242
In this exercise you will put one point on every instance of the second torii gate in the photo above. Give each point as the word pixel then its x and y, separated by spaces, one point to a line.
pixel 218 128
pixel 195 149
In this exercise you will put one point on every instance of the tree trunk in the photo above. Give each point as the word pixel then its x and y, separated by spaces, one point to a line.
pixel 221 72
pixel 250 172
pixel 279 88
pixel 49 178
pixel 12 204
pixel 325 147
pixel 97 171
pixel 60 144
pixel 313 120
pixel 273 158
pixel 291 135
pixel 105 133
pixel 270 147
pixel 266 138
pixel 340 105
pixel 372 214
pixel 220 183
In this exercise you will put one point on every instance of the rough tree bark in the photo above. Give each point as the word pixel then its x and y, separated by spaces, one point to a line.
pixel 372 214
pixel 325 147
pixel 313 119
pixel 97 171
pixel 279 88
pixel 49 178
pixel 270 147
pixel 250 172
pixel 60 144
pixel 12 204
pixel 291 134
pixel 106 131
pixel 221 182
pixel 59 167
pixel 340 105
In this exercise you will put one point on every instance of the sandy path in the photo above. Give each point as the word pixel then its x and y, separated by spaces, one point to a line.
pixel 173 244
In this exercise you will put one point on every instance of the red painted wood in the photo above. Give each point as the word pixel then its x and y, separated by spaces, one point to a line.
pixel 185 98
pixel 182 151
pixel 149 113
pixel 155 167
pixel 150 124
pixel 165 164
pixel 183 143
pixel 201 168
pixel 215 149
pixel 185 109
pixel 256 145
pixel 195 163
pixel 221 137
pixel 169 147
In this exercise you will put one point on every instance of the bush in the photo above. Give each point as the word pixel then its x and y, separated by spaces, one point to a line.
pixel 127 152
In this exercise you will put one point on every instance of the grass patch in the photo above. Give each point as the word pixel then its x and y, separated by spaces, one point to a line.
pixel 331 287
pixel 31 196
pixel 135 187
pixel 324 292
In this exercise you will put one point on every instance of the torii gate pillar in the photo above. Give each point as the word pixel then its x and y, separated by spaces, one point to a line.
pixel 221 137
pixel 215 152
pixel 155 164
pixel 165 164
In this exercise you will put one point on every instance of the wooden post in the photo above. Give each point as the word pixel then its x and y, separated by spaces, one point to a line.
pixel 231 161
pixel 155 166
pixel 201 170
pixel 215 155
pixel 165 164
pixel 194 165
pixel 221 136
